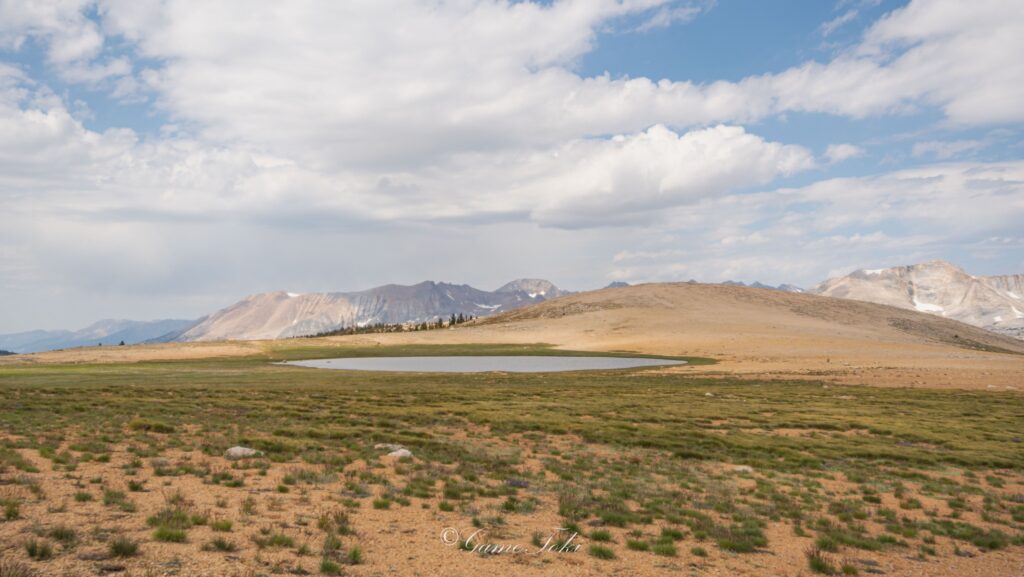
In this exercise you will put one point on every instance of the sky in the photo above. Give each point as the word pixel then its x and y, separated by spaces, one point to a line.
pixel 163 159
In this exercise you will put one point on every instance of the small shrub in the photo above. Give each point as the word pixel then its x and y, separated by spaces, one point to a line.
pixel 673 534
pixel 381 504
pixel 699 552
pixel 150 426
pixel 170 517
pixel 123 547
pixel 328 567
pixel 601 535
pixel 12 510
pixel 826 543
pixel 355 556
pixel 83 496
pixel 665 549
pixel 63 534
pixel 635 545
pixel 601 552
pixel 280 540
pixel 112 497
pixel 819 563
pixel 169 534
pixel 221 525
pixel 220 544
pixel 248 506
pixel 39 550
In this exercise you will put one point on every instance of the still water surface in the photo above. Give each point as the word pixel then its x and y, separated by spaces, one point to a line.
pixel 521 364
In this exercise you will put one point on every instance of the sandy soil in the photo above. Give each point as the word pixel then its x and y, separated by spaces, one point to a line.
pixel 417 539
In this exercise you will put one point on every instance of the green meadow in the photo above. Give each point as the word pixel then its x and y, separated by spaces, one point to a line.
pixel 660 462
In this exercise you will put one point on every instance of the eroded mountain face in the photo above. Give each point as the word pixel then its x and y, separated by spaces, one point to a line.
pixel 282 314
pixel 995 303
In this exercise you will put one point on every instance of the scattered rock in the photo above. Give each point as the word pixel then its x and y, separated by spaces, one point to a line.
pixel 110 568
pixel 709 394
pixel 743 469
pixel 388 446
pixel 236 453
pixel 964 553
pixel 518 483
pixel 400 453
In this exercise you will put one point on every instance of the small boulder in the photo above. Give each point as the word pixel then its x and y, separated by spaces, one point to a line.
pixel 236 453
pixel 388 446
pixel 743 469
pixel 400 453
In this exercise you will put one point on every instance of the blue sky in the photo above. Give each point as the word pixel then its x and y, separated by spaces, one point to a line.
pixel 163 159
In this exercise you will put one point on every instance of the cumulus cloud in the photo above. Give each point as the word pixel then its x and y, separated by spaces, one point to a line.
pixel 614 181
pixel 503 75
pixel 836 153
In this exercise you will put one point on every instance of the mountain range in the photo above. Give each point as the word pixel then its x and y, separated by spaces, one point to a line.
pixel 940 288
pixel 788 288
pixel 282 314
pixel 106 332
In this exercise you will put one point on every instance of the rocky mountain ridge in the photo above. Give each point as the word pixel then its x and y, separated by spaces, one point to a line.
pixel 283 314
pixel 995 303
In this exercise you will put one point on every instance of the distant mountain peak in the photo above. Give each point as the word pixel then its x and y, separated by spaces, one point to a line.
pixel 756 284
pixel 533 287
pixel 941 288
pixel 106 331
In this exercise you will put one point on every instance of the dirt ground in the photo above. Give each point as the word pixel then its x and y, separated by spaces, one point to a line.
pixel 414 539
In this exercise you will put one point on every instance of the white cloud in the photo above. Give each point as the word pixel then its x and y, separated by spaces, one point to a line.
pixel 945 149
pixel 838 22
pixel 836 153
pixel 669 15
pixel 623 179
pixel 800 235
pixel 378 90
pixel 371 114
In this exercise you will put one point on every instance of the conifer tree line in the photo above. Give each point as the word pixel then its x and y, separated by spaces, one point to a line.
pixel 438 323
